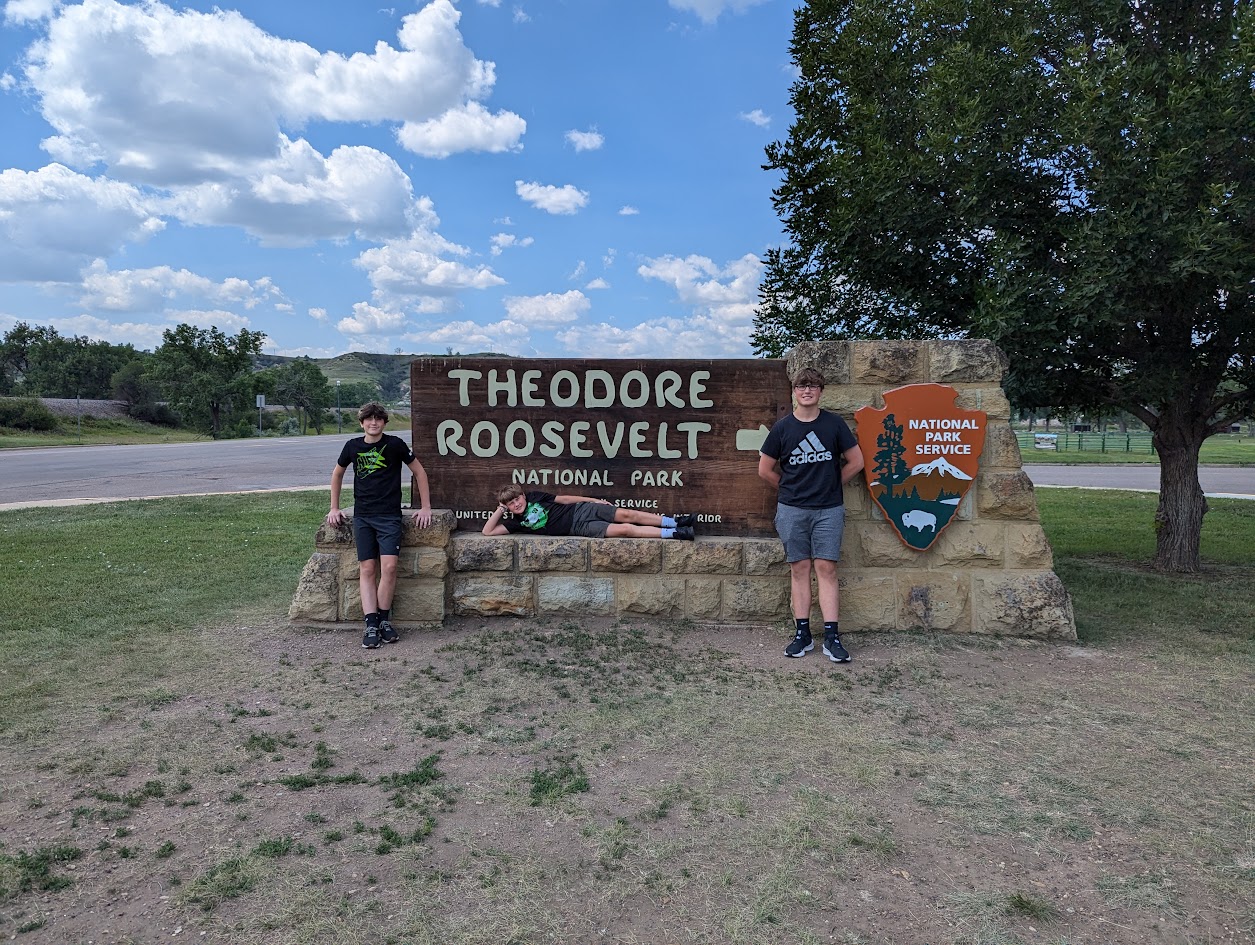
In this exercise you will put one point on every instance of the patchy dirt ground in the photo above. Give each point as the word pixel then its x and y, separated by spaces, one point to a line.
pixel 517 781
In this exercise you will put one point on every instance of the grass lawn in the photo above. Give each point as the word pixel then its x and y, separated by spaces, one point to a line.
pixel 1224 449
pixel 177 761
pixel 96 431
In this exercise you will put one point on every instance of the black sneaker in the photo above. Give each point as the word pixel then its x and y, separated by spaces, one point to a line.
pixel 800 645
pixel 684 533
pixel 834 650
pixel 370 639
pixel 686 519
pixel 388 632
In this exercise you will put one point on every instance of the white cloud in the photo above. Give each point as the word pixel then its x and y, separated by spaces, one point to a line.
pixel 598 283
pixel 27 11
pixel 722 299
pixel 756 117
pixel 697 280
pixel 467 128
pixel 565 200
pixel 608 259
pixel 548 310
pixel 709 10
pixel 309 352
pixel 504 337
pixel 406 272
pixel 503 241
pixel 585 140
pixel 143 335
pixel 300 196
pixel 659 338
pixel 318 314
pixel 205 107
pixel 578 272
pixel 207 318
pixel 369 320
pixel 628 211
pixel 520 15
pixel 54 222
pixel 490 3
pixel 173 97
pixel 146 290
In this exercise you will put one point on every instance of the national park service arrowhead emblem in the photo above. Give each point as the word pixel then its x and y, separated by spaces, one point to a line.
pixel 921 454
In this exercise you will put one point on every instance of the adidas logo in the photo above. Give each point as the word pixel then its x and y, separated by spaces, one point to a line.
pixel 810 450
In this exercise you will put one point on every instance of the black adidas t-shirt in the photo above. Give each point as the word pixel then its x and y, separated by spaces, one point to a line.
pixel 376 473
pixel 810 459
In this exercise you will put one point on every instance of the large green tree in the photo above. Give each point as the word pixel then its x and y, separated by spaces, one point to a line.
pixel 37 361
pixel 1074 179
pixel 207 374
pixel 301 384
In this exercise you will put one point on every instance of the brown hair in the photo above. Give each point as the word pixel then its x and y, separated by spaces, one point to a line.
pixel 508 493
pixel 373 409
pixel 809 375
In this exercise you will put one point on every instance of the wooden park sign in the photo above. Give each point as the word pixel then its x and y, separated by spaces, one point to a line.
pixel 920 454
pixel 664 435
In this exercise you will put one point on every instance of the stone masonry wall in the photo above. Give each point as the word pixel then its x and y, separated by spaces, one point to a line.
pixel 990 572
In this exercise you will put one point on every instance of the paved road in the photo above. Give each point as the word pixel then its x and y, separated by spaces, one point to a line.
pixel 72 474
pixel 1219 481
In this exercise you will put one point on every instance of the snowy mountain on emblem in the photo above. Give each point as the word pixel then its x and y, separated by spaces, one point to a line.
pixel 939 465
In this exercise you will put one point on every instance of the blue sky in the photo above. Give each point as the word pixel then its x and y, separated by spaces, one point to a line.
pixel 558 178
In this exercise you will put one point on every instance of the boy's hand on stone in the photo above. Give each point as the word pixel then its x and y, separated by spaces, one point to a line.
pixel 423 518
pixel 335 517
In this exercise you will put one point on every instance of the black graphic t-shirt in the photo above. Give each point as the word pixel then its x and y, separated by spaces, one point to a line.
pixel 543 516
pixel 810 459
pixel 376 473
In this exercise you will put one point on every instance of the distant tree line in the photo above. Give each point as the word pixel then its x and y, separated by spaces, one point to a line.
pixel 199 378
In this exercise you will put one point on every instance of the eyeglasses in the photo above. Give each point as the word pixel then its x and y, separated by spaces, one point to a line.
pixel 808 387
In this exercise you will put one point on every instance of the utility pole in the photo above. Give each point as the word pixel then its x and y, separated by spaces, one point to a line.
pixel 339 418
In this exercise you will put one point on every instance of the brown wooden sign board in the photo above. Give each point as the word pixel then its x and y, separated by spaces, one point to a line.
pixel 663 435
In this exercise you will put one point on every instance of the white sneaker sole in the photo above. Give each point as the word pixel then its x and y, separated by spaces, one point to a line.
pixel 836 659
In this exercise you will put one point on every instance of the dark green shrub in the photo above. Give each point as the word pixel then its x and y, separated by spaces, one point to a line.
pixel 159 414
pixel 25 413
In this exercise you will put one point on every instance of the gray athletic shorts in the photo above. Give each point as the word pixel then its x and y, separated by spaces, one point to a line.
pixel 810 533
pixel 591 519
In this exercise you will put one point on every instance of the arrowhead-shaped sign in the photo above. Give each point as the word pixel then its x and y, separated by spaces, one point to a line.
pixel 921 454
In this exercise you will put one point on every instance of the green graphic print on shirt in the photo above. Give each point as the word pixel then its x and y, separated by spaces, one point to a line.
pixel 536 517
pixel 369 462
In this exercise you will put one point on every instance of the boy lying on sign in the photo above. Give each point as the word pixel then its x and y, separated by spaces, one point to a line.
pixel 542 513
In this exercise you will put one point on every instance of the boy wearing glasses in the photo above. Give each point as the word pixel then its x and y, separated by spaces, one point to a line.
pixel 809 456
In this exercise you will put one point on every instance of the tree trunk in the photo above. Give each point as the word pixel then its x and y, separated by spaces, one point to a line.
pixel 1182 505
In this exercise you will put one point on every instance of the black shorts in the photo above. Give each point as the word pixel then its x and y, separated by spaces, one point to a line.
pixel 376 535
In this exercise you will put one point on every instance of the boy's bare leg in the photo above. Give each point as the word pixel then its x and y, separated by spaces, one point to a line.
pixel 638 517
pixel 387 580
pixel 367 577
pixel 621 530
pixel 829 590
pixel 800 588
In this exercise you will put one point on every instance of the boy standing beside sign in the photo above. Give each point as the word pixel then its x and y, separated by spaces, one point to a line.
pixel 809 456
pixel 376 459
